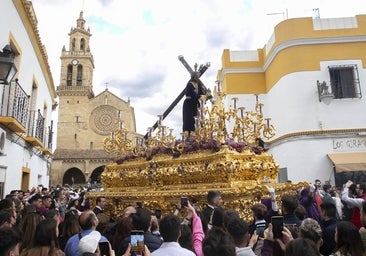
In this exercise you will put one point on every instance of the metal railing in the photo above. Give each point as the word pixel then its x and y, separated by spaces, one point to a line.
pixel 14 102
pixel 36 125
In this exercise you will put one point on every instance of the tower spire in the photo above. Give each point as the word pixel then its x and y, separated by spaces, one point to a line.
pixel 80 21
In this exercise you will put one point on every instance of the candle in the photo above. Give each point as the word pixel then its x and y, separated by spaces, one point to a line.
pixel 150 131
pixel 120 125
pixel 267 119
pixel 197 122
pixel 241 112
pixel 235 100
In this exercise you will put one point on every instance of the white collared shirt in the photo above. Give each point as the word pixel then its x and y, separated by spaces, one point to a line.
pixel 172 249
pixel 244 251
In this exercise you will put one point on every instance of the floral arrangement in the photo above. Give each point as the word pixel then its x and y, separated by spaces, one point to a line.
pixel 190 145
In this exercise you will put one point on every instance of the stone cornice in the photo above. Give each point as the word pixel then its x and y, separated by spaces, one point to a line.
pixel 316 133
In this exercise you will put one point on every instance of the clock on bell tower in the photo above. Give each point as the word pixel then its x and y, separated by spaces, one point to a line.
pixel 84 119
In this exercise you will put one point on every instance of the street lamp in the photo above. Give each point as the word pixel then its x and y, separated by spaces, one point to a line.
pixel 7 66
pixel 323 92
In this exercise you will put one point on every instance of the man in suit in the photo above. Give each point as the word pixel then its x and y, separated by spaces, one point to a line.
pixel 100 204
pixel 141 220
pixel 214 200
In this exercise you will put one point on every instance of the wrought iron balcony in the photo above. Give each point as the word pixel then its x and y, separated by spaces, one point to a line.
pixel 35 131
pixel 29 124
pixel 14 105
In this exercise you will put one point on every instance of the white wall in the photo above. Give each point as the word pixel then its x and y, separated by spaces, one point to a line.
pixel 16 156
pixel 293 106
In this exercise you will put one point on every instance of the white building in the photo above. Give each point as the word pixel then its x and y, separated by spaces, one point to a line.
pixel 315 138
pixel 26 101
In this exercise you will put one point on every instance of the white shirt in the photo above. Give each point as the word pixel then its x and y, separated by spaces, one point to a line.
pixel 244 251
pixel 172 249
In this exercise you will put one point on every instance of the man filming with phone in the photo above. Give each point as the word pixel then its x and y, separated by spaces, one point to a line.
pixel 141 221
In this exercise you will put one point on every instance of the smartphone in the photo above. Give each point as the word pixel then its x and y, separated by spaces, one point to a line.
pixel 138 205
pixel 260 230
pixel 277 226
pixel 183 201
pixel 137 240
pixel 104 248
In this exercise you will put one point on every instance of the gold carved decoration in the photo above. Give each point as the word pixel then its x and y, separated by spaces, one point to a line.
pixel 159 170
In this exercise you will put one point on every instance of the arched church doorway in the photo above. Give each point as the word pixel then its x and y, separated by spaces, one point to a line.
pixel 73 176
pixel 95 176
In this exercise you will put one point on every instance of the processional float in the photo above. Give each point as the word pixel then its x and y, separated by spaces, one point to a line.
pixel 225 153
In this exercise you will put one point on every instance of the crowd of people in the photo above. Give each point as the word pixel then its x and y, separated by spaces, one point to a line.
pixel 316 220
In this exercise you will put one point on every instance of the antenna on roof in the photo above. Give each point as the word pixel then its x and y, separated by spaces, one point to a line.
pixel 284 14
pixel 316 13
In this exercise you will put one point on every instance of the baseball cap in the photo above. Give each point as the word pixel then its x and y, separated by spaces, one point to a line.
pixel 89 243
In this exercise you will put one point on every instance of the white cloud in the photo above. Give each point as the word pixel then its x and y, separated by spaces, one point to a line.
pixel 137 43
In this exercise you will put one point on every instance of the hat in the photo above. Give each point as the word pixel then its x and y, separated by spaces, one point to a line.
pixel 89 243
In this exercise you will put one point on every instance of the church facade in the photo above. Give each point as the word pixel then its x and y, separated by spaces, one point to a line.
pixel 84 119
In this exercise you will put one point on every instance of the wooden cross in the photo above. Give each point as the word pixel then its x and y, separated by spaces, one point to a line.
pixel 202 69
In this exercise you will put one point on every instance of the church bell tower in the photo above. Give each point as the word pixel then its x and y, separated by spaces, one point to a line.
pixel 84 119
pixel 77 63
pixel 76 86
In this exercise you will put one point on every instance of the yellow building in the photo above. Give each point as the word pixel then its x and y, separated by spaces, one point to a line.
pixel 311 78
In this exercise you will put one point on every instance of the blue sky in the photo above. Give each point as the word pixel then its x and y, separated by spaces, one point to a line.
pixel 136 44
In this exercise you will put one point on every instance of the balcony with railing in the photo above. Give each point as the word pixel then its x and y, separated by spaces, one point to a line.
pixel 35 129
pixel 14 105
pixel 16 116
pixel 48 139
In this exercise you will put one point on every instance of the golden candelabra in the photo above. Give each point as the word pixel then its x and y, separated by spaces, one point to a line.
pixel 248 126
pixel 212 125
pixel 121 145
pixel 118 142
pixel 158 169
